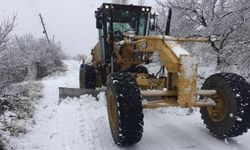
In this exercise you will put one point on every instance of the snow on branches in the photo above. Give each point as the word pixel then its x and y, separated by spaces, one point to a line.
pixel 227 19
pixel 5 28
pixel 24 58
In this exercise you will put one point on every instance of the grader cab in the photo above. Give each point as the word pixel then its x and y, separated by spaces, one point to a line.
pixel 118 63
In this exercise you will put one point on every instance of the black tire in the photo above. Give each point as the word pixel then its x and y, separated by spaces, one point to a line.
pixel 124 109
pixel 234 91
pixel 138 69
pixel 87 76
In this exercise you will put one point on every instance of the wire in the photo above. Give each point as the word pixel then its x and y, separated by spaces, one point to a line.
pixel 31 8
pixel 161 70
pixel 35 10
pixel 34 4
pixel 35 27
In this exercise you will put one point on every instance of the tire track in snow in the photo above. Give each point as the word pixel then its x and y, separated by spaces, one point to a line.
pixel 82 124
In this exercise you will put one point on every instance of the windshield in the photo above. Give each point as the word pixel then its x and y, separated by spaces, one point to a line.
pixel 138 26
pixel 123 27
pixel 126 21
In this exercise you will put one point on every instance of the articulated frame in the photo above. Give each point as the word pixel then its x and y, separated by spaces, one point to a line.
pixel 182 72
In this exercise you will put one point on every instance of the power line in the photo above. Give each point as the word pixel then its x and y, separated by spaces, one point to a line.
pixel 31 8
pixel 35 10
pixel 35 27
pixel 32 2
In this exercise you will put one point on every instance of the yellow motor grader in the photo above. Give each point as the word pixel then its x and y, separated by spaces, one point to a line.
pixel 118 63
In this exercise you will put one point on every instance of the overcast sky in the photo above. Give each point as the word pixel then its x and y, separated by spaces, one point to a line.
pixel 71 21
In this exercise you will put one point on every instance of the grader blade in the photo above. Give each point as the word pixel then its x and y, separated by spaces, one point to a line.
pixel 76 92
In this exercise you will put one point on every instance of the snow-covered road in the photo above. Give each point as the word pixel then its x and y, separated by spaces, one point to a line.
pixel 82 124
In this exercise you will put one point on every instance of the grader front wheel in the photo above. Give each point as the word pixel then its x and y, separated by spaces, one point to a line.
pixel 230 117
pixel 124 109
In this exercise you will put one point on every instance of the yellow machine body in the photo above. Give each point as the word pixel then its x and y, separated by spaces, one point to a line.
pixel 179 87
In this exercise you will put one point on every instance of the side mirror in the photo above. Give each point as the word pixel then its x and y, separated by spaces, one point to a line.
pixel 98 24
pixel 151 26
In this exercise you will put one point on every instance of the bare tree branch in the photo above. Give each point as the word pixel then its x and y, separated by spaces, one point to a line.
pixel 6 27
pixel 213 9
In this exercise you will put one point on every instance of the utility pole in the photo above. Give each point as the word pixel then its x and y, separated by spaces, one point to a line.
pixel 44 29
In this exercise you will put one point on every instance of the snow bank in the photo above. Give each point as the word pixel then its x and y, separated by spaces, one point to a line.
pixel 17 108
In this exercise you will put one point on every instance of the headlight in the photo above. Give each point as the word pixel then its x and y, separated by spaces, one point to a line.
pixel 213 38
pixel 147 9
pixel 143 9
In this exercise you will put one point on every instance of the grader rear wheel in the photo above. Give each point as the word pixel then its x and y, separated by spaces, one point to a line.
pixel 124 109
pixel 87 76
pixel 230 116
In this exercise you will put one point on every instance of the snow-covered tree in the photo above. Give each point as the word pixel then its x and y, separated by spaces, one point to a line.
pixel 26 57
pixel 80 57
pixel 6 27
pixel 228 19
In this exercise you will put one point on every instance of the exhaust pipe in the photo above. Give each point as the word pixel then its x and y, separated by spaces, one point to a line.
pixel 168 23
pixel 123 2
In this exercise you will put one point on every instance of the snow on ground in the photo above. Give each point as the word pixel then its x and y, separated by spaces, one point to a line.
pixel 82 124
